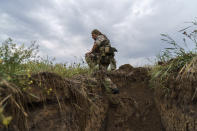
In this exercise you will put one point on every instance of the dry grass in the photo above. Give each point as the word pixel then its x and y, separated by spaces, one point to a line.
pixel 189 70
pixel 177 61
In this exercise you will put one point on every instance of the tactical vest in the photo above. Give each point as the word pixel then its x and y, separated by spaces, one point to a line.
pixel 106 49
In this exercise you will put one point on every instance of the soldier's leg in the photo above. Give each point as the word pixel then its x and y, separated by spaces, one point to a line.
pixel 90 61
pixel 104 63
pixel 113 63
pixel 105 82
pixel 110 86
pixel 103 67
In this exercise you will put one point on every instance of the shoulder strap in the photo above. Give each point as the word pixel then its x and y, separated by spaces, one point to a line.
pixel 105 42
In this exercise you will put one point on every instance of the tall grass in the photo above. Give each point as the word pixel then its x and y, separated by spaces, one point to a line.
pixel 172 61
pixel 61 69
pixel 18 60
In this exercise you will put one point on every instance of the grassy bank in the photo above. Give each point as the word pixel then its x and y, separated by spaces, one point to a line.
pixel 18 63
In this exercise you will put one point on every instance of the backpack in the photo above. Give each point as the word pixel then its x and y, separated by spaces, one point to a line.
pixel 106 49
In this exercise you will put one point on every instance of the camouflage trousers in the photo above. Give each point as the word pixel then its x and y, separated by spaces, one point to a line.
pixel 108 84
pixel 105 82
pixel 100 73
pixel 103 62
pixel 113 63
pixel 107 61
pixel 91 60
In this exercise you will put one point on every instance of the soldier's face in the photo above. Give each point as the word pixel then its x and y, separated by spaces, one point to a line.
pixel 94 36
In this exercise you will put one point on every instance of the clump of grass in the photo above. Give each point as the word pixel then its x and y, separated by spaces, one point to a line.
pixel 176 60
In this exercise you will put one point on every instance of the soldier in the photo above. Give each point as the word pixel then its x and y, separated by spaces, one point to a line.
pixel 102 54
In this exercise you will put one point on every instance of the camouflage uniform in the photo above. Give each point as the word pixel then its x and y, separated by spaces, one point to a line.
pixel 112 63
pixel 91 60
pixel 99 57
pixel 103 60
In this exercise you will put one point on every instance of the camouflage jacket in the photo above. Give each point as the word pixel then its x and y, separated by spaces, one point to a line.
pixel 102 41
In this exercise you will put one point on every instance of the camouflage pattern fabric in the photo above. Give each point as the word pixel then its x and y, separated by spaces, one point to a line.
pixel 105 82
pixel 103 61
pixel 112 63
pixel 108 84
pixel 92 60
pixel 100 39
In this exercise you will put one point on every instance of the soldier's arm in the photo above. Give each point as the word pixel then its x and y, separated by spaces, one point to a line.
pixel 97 43
pixel 94 47
pixel 99 40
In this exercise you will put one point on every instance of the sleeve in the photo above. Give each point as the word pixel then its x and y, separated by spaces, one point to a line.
pixel 99 40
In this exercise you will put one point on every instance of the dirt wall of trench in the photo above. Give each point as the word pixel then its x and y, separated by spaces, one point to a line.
pixel 177 104
pixel 79 104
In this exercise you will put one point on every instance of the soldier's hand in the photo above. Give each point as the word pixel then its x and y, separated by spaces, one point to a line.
pixel 88 53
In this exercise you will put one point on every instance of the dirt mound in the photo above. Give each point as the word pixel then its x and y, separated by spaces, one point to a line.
pixel 76 108
pixel 56 103
pixel 126 68
pixel 128 75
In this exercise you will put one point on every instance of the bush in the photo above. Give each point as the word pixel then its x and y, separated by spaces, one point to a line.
pixel 12 69
pixel 13 58
pixel 17 64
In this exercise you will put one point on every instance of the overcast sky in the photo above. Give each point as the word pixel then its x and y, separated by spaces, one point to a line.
pixel 62 27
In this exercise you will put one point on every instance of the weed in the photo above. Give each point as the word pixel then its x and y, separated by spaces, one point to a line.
pixel 4 120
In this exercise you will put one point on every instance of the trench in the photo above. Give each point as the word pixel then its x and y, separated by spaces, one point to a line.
pixel 84 107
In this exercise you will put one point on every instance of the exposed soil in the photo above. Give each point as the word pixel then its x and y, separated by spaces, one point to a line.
pixel 137 110
pixel 79 104
pixel 177 104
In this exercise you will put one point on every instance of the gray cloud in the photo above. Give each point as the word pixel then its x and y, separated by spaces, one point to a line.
pixel 62 28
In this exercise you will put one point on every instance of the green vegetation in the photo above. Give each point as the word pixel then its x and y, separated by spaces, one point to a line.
pixel 5 120
pixel 17 64
pixel 176 60
pixel 63 70
pixel 17 60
